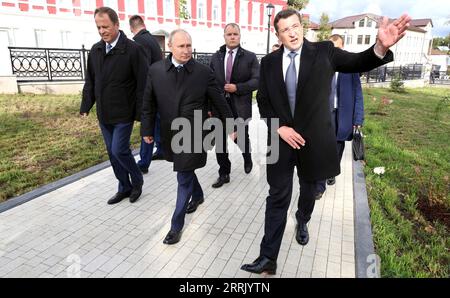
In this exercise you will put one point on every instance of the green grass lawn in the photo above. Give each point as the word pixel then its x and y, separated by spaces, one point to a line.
pixel 43 139
pixel 410 203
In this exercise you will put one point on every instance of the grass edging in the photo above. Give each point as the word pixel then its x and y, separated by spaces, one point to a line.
pixel 364 247
pixel 17 201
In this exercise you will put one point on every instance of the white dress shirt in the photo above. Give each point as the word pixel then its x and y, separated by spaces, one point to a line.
pixel 113 44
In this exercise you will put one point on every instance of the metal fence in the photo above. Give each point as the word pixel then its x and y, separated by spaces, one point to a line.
pixel 386 74
pixel 53 64
pixel 48 64
pixel 440 78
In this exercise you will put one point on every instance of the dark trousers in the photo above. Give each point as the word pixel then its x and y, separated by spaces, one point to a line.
pixel 146 151
pixel 280 179
pixel 188 187
pixel 117 141
pixel 222 153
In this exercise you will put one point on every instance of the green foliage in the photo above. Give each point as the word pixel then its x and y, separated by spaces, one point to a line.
pixel 442 105
pixel 324 31
pixel 297 4
pixel 183 13
pixel 410 203
pixel 397 85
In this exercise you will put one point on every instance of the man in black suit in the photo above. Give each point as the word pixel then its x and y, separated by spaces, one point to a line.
pixel 154 54
pixel 179 88
pixel 115 81
pixel 294 89
pixel 237 72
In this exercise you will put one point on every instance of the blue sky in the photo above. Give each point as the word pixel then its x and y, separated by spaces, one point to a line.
pixel 437 10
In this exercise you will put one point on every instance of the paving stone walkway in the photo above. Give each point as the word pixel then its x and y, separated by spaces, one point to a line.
pixel 72 232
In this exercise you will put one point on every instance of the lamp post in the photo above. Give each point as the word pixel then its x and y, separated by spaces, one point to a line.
pixel 269 11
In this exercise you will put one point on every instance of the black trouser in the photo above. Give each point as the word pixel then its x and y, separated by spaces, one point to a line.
pixel 280 177
pixel 222 153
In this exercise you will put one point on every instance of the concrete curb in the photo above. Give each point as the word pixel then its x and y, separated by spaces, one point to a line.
pixel 366 261
pixel 17 201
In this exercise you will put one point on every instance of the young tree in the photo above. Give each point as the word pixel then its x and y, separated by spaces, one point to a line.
pixel 324 30
pixel 299 5
pixel 183 11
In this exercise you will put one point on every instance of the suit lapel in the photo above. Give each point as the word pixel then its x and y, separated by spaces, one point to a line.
pixel 307 59
pixel 278 79
pixel 221 66
pixel 239 53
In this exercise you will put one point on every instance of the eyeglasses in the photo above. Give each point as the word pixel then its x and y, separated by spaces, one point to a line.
pixel 294 27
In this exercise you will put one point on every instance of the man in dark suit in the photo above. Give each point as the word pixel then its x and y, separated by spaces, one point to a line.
pixel 153 53
pixel 346 105
pixel 237 70
pixel 179 88
pixel 294 89
pixel 115 81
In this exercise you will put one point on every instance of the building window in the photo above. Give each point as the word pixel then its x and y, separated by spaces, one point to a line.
pixel 230 14
pixel 360 39
pixel 369 23
pixel 131 7
pixel 7 36
pixel 349 39
pixel 367 40
pixel 111 4
pixel 39 37
pixel 361 23
pixel 169 8
pixel 243 13
pixel 65 39
pixel 150 8
pixel 255 14
pixel 65 5
pixel 88 5
pixel 201 10
pixel 216 11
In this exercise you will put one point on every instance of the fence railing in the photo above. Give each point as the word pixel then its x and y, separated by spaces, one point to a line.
pixel 440 77
pixel 54 64
pixel 386 74
pixel 48 64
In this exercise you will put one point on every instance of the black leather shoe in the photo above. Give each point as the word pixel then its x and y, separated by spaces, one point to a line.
pixel 135 193
pixel 318 196
pixel 331 181
pixel 192 206
pixel 248 167
pixel 157 157
pixel 261 265
pixel 119 197
pixel 302 234
pixel 221 181
pixel 172 237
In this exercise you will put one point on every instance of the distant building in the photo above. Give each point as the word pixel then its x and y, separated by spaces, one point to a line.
pixel 360 33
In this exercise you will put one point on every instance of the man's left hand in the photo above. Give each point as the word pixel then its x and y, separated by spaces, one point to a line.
pixel 230 88
pixel 390 34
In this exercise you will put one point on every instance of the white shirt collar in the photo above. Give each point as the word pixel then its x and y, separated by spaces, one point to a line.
pixel 113 44
pixel 234 51
pixel 175 63
pixel 287 51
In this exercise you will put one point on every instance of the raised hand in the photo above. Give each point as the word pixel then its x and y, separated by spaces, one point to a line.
pixel 390 33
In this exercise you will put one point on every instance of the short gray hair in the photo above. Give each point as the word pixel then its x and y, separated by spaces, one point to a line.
pixel 234 25
pixel 172 34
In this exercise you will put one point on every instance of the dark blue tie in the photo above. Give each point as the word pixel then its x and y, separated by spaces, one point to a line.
pixel 291 82
pixel 108 48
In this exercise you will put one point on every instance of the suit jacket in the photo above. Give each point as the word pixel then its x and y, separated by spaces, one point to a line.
pixel 350 105
pixel 318 159
pixel 176 95
pixel 245 75
pixel 115 81
pixel 151 47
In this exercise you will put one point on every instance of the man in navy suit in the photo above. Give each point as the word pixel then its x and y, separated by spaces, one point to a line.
pixel 346 105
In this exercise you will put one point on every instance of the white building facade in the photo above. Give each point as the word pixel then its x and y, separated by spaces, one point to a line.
pixel 360 33
pixel 70 23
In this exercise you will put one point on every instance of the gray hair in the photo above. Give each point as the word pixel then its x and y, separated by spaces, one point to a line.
pixel 172 34
pixel 234 25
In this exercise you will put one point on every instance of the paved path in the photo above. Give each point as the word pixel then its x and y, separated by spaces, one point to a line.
pixel 72 232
